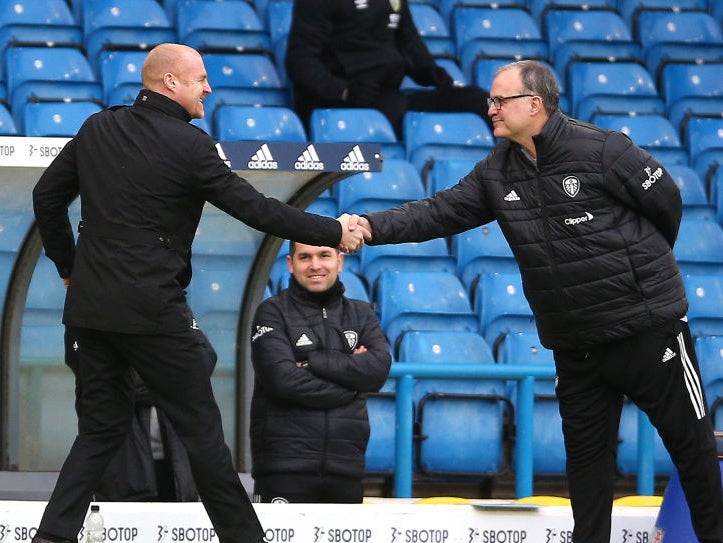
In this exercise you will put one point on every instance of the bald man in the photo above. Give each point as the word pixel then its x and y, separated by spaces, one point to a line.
pixel 143 174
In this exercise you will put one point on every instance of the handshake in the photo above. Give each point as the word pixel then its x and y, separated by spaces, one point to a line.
pixel 354 231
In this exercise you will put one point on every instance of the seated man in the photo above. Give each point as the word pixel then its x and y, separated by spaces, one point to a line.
pixel 315 353
pixel 355 53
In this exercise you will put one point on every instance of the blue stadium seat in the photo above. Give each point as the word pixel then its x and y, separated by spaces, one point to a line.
pixel 125 39
pixel 452 68
pixel 594 105
pixel 243 79
pixel 703 133
pixel 710 359
pixel 420 256
pixel 434 136
pixel 278 18
pixel 36 13
pixel 448 8
pixel 479 251
pixel 57 119
pixel 41 335
pixel 631 9
pixel 443 405
pixel 586 79
pixel 661 54
pixel 657 26
pixel 705 299
pixel 398 182
pixel 699 248
pixel 475 51
pixel 422 300
pixel 232 24
pixel 682 80
pixel 33 34
pixel 269 123
pixel 539 8
pixel 627 455
pixel 355 125
pixel 716 190
pixel 48 72
pixel 502 307
pixel 654 133
pixel 563 25
pixel 7 124
pixel 589 51
pixel 693 193
pixel 120 68
pixel 446 173
pixel 509 25
pixel 101 14
pixel 432 28
pixel 381 408
pixel 548 443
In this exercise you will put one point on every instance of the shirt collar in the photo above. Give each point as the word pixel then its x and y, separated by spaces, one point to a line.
pixel 149 98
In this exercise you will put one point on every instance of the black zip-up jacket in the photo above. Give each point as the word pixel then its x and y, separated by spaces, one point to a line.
pixel 335 42
pixel 313 419
pixel 591 224
pixel 143 174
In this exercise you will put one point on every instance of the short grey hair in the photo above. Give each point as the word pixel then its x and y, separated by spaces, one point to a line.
pixel 537 79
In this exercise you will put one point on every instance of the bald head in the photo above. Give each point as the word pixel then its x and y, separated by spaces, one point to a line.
pixel 177 71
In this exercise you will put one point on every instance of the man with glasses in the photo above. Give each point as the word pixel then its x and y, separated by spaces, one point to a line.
pixel 592 220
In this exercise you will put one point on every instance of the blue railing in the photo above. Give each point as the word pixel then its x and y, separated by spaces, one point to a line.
pixel 406 373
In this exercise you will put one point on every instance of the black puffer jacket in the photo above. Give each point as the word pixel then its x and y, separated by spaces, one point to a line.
pixel 592 226
pixel 313 419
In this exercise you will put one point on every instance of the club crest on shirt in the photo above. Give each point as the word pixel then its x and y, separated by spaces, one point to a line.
pixel 571 184
pixel 352 338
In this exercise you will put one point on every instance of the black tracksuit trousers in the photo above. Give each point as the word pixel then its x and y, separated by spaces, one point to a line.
pixel 174 366
pixel 658 371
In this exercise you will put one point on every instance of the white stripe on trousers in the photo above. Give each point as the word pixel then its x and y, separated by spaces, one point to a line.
pixel 692 382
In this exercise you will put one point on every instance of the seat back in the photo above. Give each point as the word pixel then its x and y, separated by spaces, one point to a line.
pixel 329 125
pixel 99 14
pixel 422 300
pixel 269 123
pixel 35 13
pixel 681 80
pixel 57 119
pixel 472 23
pixel 447 173
pixel 710 360
pixel 7 124
pixel 434 136
pixel 420 256
pixel 502 307
pixel 196 15
pixel 279 15
pixel 699 248
pixel 479 251
pixel 702 133
pixel 118 68
pixel 656 26
pixel 693 193
pixel 705 299
pixel 619 78
pixel 398 182
pixel 564 25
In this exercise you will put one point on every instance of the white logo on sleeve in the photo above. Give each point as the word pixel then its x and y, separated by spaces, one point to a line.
pixel 653 176
pixel 260 331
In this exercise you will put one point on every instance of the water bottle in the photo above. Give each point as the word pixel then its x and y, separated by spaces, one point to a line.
pixel 94 530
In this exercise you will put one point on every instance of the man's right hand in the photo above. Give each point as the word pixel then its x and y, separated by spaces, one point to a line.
pixel 356 221
pixel 352 238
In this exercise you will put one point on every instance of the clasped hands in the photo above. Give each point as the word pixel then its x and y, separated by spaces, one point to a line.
pixel 354 231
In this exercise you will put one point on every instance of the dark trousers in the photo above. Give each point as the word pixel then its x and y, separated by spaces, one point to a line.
pixel 658 371
pixel 307 488
pixel 174 367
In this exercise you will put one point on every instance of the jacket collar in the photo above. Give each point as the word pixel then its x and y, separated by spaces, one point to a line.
pixel 149 98
pixel 550 132
pixel 335 292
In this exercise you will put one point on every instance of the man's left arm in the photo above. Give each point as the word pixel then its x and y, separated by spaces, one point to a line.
pixel 644 184
pixel 53 193
pixel 364 371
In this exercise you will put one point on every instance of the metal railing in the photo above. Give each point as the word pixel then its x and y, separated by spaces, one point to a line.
pixel 406 373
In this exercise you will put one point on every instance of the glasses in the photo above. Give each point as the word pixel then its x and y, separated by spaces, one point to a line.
pixel 500 101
